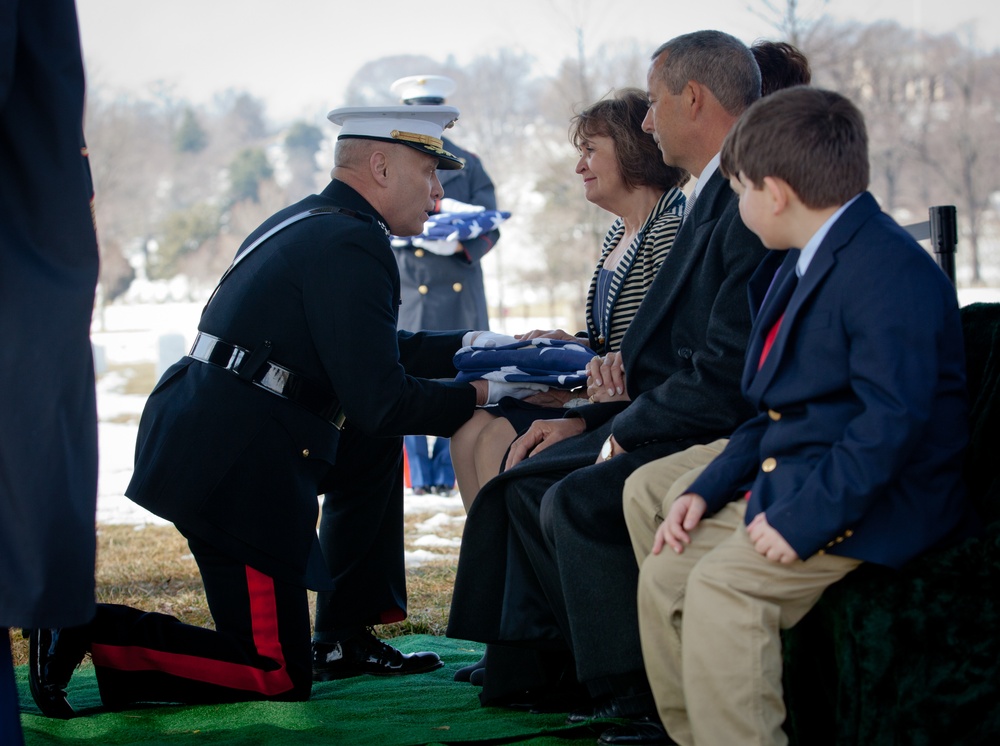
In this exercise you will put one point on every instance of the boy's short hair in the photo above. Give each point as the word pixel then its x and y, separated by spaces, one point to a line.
pixel 813 139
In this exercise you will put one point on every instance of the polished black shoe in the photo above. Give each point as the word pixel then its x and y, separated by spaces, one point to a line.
pixel 646 731
pixel 53 654
pixel 365 653
pixel 609 709
pixel 465 673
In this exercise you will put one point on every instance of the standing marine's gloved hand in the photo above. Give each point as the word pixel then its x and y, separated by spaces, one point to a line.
pixel 441 248
pixel 446 204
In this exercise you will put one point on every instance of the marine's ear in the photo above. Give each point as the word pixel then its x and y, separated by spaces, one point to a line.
pixel 378 163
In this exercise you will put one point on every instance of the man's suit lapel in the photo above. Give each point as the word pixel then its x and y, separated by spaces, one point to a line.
pixel 689 243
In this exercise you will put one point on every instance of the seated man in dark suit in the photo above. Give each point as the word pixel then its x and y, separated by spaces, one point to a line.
pixel 546 573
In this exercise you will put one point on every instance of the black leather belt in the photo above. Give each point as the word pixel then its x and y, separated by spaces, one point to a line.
pixel 269 376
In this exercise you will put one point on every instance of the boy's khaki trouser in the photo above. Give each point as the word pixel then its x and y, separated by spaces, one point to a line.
pixel 710 618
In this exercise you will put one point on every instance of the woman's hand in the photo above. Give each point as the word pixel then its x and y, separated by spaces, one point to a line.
pixel 606 379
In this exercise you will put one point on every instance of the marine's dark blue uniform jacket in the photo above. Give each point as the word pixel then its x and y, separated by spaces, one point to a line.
pixel 241 467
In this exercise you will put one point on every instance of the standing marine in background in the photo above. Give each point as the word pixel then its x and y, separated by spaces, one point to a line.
pixel 442 280
pixel 48 274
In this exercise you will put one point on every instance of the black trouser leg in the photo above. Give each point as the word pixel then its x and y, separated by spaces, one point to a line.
pixel 260 648
pixel 361 532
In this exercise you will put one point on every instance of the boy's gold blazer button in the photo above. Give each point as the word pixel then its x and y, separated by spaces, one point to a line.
pixel 769 465
pixel 774 415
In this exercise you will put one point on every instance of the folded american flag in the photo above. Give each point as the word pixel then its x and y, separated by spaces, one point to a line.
pixel 554 362
pixel 460 226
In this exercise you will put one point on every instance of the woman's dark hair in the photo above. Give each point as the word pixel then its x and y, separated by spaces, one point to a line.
pixel 619 116
pixel 781 66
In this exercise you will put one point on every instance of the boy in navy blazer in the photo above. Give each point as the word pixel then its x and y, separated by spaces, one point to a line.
pixel 855 365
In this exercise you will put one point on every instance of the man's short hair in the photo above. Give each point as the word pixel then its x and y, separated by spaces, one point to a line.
pixel 813 139
pixel 716 60
pixel 620 116
pixel 351 151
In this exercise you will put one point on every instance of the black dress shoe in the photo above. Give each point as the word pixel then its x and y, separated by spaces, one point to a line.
pixel 609 709
pixel 646 731
pixel 465 673
pixel 364 653
pixel 52 656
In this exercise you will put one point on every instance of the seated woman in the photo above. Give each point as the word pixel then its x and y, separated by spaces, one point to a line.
pixel 623 173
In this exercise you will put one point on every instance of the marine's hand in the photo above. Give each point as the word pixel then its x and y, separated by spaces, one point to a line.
pixel 768 542
pixel 541 435
pixel 490 339
pixel 684 515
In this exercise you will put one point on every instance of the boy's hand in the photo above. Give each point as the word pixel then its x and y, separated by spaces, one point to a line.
pixel 768 542
pixel 684 516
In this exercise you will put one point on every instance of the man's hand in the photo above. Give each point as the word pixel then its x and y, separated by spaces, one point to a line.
pixel 606 379
pixel 553 334
pixel 768 542
pixel 541 435
pixel 482 392
pixel 684 516
pixel 551 398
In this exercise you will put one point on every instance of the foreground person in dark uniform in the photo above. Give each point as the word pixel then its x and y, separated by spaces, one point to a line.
pixel 48 273
pixel 239 438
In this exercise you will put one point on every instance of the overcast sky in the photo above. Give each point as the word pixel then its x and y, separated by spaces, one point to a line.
pixel 298 55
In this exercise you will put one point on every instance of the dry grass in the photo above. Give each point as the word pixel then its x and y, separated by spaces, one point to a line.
pixel 151 568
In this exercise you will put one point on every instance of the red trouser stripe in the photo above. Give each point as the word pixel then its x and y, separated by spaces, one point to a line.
pixel 264 621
